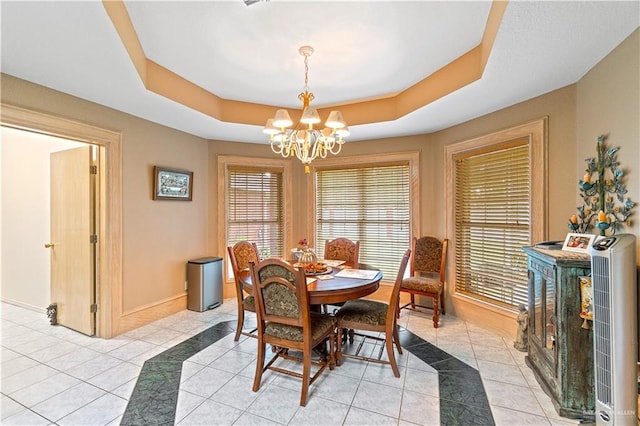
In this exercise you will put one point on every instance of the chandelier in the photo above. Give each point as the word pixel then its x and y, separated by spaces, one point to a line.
pixel 304 140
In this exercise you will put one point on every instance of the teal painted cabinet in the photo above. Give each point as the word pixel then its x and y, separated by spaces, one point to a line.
pixel 560 350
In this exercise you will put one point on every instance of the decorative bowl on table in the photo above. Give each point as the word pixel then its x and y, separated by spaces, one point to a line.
pixel 316 268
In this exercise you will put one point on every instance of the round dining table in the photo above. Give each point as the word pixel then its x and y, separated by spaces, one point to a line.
pixel 335 290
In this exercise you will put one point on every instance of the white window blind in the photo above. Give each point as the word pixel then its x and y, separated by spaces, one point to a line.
pixel 255 210
pixel 492 223
pixel 367 204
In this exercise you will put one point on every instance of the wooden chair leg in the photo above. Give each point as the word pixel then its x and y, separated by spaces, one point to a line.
pixel 240 323
pixel 332 351
pixel 436 312
pixel 306 373
pixel 338 353
pixel 259 366
pixel 413 301
pixel 392 357
pixel 442 302
pixel 396 339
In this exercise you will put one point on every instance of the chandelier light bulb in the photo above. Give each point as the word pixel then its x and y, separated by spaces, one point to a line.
pixel 282 119
pixel 344 132
pixel 269 128
pixel 310 116
pixel 335 120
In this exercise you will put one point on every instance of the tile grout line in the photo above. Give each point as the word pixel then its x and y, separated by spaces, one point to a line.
pixel 153 404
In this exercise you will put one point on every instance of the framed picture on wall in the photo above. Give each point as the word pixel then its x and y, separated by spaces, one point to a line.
pixel 172 184
pixel 578 242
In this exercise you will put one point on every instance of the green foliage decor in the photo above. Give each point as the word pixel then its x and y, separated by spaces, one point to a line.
pixel 604 201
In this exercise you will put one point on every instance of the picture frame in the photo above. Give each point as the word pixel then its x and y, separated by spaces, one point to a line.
pixel 579 243
pixel 172 184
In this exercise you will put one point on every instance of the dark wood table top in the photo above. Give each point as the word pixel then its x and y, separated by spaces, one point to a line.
pixel 335 290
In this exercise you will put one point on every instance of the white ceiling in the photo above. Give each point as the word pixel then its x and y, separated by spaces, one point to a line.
pixel 363 50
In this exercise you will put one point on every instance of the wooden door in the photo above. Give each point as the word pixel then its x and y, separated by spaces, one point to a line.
pixel 73 237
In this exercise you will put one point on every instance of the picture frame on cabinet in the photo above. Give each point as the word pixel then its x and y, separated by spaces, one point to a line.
pixel 579 243
pixel 172 184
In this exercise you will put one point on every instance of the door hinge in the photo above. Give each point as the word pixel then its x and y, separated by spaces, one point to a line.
pixel 93 170
pixel 94 308
pixel 93 239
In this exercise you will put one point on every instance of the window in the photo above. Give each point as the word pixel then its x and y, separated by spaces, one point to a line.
pixel 370 203
pixel 492 202
pixel 256 210
pixel 254 204
pixel 492 223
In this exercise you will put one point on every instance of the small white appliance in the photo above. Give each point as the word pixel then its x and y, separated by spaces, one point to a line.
pixel 615 337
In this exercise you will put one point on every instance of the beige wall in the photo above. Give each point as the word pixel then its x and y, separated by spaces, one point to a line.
pixel 559 107
pixel 160 236
pixel 609 104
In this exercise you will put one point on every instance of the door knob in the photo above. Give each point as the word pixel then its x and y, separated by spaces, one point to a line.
pixel 49 245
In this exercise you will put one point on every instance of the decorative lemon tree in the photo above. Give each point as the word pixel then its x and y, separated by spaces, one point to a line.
pixel 603 193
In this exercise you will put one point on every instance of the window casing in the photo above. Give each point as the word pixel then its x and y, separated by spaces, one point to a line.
pixel 496 203
pixel 254 204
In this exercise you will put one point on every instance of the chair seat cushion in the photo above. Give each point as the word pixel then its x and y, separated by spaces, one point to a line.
pixel 249 304
pixel 421 284
pixel 321 325
pixel 364 311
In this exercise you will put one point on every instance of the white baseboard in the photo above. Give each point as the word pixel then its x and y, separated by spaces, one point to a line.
pixel 24 305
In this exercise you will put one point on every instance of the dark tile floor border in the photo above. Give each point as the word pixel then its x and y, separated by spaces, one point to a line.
pixel 463 400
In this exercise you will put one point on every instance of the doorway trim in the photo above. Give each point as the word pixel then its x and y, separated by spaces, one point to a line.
pixel 109 285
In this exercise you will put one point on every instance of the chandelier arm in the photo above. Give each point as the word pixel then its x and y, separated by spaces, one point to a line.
pixel 339 145
pixel 276 147
pixel 291 145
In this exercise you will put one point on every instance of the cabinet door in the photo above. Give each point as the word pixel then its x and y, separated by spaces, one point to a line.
pixel 543 297
pixel 550 315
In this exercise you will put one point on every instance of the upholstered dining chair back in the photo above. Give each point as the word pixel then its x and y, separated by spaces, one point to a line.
pixel 285 321
pixel 282 296
pixel 240 255
pixel 342 249
pixel 428 256
pixel 427 275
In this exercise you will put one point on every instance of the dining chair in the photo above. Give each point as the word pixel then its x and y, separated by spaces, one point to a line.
pixel 240 255
pixel 286 322
pixel 342 249
pixel 427 273
pixel 371 315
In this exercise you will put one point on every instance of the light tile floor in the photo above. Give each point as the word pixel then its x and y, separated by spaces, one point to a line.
pixel 52 375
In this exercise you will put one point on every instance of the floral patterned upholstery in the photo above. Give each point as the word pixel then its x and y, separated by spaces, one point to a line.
pixel 282 301
pixel 278 298
pixel 249 304
pixel 427 255
pixel 342 249
pixel 245 252
pixel 320 325
pixel 424 284
pixel 364 312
